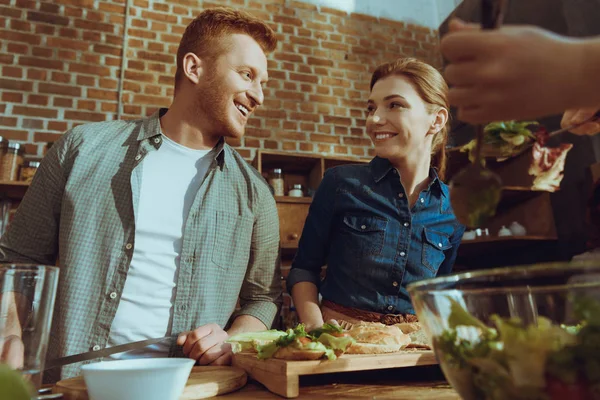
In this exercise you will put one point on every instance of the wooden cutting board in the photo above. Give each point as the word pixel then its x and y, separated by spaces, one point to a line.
pixel 203 382
pixel 283 377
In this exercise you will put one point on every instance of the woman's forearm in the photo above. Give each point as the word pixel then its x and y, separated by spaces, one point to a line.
pixel 306 300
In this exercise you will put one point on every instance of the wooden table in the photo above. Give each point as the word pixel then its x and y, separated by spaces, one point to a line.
pixel 418 383
pixel 415 383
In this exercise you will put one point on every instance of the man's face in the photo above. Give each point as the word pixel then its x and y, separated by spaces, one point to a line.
pixel 231 87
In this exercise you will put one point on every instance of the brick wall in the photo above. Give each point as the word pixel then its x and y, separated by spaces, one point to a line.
pixel 63 62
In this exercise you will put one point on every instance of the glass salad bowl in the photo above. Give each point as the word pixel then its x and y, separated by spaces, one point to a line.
pixel 528 332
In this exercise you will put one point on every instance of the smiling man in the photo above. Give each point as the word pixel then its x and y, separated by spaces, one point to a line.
pixel 158 226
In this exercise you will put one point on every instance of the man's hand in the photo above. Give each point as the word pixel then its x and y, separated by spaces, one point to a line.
pixel 12 351
pixel 206 345
pixel 573 117
pixel 515 72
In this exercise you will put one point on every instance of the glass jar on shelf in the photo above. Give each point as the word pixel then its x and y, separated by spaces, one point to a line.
pixel 296 191
pixel 276 181
pixel 11 158
pixel 28 169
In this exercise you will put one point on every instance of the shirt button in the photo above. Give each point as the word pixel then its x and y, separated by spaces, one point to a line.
pixel 395 171
pixel 390 308
pixel 137 158
pixel 401 195
pixel 395 284
pixel 439 244
pixel 128 246
pixel 156 140
pixel 422 200
pixel 363 227
pixel 96 348
pixel 402 254
pixel 113 295
pixel 406 224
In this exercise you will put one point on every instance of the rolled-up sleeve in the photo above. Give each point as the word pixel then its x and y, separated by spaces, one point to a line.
pixel 261 292
pixel 452 252
pixel 313 248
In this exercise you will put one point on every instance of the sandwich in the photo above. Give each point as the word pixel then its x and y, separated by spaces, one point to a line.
pixel 418 338
pixel 247 342
pixel 376 338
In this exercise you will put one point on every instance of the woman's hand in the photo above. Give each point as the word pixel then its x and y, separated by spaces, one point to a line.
pixel 577 116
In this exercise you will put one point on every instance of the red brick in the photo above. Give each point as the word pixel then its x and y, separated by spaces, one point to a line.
pixel 140 77
pixel 86 105
pixel 74 11
pixel 89 69
pixel 17 48
pixel 164 58
pixel 288 57
pixel 61 77
pixel 8 121
pixel 309 147
pixel 159 17
pixel 64 90
pixel 18 85
pixel 151 100
pixel 324 128
pixel 282 19
pixel 323 99
pixel 42 52
pixel 62 102
pixel 14 135
pixel 131 109
pixel 85 116
pixel 47 18
pixel 256 132
pixel 37 62
pixel 282 94
pixel 132 86
pixel 94 26
pixel 10 12
pixel 315 137
pixel 340 149
pixel 20 37
pixel 102 94
pixel 170 38
pixel 12 72
pixel 109 107
pixel 57 126
pixel 37 100
pixel 108 83
pixel 84 80
pixel 45 137
pixel 304 78
pixel 289 146
pixel 324 148
pixel 35 112
pixel 156 67
pixel 37 74
pixel 304 117
pixel 19 25
pixel 328 119
pixel 271 144
pixel 67 55
pixel 50 8
pixel 91 36
pixel 142 33
pixel 327 10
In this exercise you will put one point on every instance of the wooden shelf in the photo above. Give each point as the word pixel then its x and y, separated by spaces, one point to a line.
pixel 290 199
pixel 499 244
pixel 13 190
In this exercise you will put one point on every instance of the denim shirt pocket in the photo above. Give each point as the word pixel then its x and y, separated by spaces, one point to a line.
pixel 434 245
pixel 233 236
pixel 365 235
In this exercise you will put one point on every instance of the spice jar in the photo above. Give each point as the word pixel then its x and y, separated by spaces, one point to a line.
pixel 276 181
pixel 28 169
pixel 12 158
pixel 296 191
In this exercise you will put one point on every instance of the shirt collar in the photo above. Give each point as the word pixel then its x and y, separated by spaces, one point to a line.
pixel 380 167
pixel 151 128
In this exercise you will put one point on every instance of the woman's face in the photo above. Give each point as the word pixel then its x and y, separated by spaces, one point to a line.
pixel 399 122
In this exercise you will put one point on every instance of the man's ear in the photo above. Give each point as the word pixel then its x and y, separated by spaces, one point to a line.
pixel 192 67
pixel 439 121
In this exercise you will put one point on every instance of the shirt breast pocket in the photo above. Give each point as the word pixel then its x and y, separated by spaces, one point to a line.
pixel 233 236
pixel 434 245
pixel 364 235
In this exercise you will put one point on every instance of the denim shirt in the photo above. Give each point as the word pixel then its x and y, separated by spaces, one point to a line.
pixel 361 226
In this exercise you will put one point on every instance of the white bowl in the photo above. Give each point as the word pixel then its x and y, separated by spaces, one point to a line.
pixel 139 379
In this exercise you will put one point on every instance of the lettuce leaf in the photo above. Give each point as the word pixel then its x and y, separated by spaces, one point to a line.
pixel 326 328
pixel 334 342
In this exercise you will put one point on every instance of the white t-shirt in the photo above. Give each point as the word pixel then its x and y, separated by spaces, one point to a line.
pixel 171 177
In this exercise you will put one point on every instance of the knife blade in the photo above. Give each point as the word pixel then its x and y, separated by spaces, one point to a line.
pixel 90 355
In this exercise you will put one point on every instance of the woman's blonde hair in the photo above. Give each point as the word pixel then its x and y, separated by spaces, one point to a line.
pixel 432 88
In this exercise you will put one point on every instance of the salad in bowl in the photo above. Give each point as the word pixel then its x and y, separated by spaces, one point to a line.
pixel 524 333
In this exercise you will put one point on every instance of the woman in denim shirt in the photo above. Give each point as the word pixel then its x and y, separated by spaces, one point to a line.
pixel 381 226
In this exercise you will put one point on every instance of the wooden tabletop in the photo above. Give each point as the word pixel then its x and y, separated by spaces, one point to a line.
pixel 418 383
